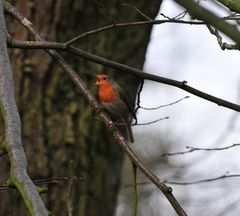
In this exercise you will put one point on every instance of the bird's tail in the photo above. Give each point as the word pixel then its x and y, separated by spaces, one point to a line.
pixel 130 133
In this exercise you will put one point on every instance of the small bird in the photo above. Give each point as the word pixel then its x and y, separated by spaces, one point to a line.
pixel 115 101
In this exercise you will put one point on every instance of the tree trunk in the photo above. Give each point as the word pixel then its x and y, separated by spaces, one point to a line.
pixel 61 134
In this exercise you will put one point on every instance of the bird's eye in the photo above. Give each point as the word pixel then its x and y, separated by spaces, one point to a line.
pixel 104 78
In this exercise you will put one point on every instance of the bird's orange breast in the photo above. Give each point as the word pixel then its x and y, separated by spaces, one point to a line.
pixel 106 93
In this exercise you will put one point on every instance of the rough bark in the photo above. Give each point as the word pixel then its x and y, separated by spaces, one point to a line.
pixel 61 134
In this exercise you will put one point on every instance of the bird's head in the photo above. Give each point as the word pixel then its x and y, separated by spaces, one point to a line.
pixel 102 79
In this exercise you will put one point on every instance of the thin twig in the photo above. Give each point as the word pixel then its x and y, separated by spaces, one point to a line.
pixel 106 11
pixel 134 190
pixel 165 16
pixel 130 24
pixel 166 105
pixel 140 88
pixel 140 12
pixel 52 180
pixel 56 180
pixel 204 180
pixel 192 149
pixel 151 122
pixel 222 44
pixel 185 183
pixel 69 197
pixel 181 15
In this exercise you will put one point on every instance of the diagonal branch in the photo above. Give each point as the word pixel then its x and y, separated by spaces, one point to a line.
pixel 18 175
pixel 97 107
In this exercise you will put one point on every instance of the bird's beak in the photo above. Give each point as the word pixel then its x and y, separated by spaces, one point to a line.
pixel 97 82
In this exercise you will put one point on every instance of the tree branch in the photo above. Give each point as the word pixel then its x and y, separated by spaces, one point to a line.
pixel 140 12
pixel 165 105
pixel 106 11
pixel 204 180
pixel 124 68
pixel 200 181
pixel 51 180
pixel 18 174
pixel 233 5
pixel 97 107
pixel 198 12
pixel 222 44
pixel 192 149
pixel 130 24
pixel 151 122
pixel 134 190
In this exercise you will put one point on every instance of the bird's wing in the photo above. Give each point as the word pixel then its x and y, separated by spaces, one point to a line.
pixel 125 98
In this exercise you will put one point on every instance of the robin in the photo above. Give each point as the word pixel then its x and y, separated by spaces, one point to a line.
pixel 115 101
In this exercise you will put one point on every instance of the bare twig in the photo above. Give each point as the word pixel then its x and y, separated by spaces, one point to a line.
pixel 69 197
pixel 140 88
pixel 130 24
pixel 56 180
pixel 151 122
pixel 177 17
pixel 181 15
pixel 52 180
pixel 97 107
pixel 134 190
pixel 222 44
pixel 192 149
pixel 140 12
pixel 200 181
pixel 124 68
pixel 166 105
pixel 225 176
pixel 233 16
pixel 106 11
pixel 165 16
